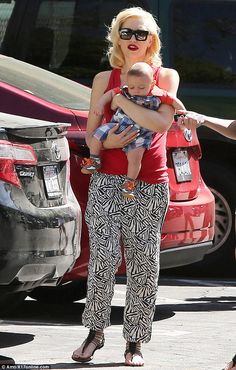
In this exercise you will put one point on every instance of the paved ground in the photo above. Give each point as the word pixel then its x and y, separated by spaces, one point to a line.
pixel 194 329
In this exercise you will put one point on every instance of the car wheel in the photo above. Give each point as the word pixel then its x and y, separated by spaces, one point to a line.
pixel 64 293
pixel 9 302
pixel 220 260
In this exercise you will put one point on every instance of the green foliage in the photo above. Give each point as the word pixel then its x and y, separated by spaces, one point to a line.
pixel 201 71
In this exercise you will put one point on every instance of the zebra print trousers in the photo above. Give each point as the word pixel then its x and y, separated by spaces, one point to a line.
pixel 112 218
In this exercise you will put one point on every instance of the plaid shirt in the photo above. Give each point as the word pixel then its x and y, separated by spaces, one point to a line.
pixel 144 137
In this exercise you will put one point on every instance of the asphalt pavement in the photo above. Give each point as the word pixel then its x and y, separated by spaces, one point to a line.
pixel 194 328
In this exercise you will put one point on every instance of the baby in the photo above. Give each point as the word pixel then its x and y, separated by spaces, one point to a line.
pixel 140 83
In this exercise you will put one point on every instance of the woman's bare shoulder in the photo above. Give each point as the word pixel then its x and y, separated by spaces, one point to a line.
pixel 101 79
pixel 168 72
pixel 169 79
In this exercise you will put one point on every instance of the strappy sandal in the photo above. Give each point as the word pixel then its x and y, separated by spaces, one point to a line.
pixel 233 362
pixel 134 349
pixel 91 338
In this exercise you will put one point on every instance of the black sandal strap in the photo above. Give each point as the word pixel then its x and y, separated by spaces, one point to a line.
pixel 91 338
pixel 134 348
pixel 234 360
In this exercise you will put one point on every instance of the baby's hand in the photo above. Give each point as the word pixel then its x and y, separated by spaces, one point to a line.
pixel 157 91
pixel 99 109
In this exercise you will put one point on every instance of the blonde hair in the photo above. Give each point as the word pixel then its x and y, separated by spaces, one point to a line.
pixel 114 53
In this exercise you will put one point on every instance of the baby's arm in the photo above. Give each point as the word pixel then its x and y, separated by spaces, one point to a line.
pixel 177 103
pixel 102 101
pixel 167 98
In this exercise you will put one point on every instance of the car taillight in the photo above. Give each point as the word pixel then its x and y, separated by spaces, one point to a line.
pixel 12 154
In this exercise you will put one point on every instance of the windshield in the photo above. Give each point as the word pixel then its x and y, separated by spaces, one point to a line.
pixel 6 8
pixel 43 84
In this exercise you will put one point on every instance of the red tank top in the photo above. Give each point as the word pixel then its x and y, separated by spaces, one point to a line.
pixel 114 161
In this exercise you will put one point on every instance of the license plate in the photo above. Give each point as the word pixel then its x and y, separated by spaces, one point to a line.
pixel 50 174
pixel 181 165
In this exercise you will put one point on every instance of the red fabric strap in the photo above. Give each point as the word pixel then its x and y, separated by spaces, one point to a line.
pixel 117 90
pixel 166 98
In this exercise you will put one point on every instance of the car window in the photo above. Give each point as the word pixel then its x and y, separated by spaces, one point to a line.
pixel 69 36
pixel 49 42
pixel 44 84
pixel 204 42
pixel 6 8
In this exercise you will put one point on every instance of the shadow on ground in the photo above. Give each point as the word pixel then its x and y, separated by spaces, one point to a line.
pixel 14 339
pixel 64 314
pixel 32 311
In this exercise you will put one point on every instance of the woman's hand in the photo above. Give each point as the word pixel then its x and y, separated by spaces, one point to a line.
pixel 114 102
pixel 120 140
pixel 190 119
pixel 99 109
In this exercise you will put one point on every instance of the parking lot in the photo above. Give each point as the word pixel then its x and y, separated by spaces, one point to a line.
pixel 193 329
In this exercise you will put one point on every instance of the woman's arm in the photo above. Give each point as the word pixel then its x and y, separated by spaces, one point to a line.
pixel 191 120
pixel 102 101
pixel 223 126
pixel 100 83
pixel 157 121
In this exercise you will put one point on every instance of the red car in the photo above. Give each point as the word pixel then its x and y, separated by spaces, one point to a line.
pixel 188 230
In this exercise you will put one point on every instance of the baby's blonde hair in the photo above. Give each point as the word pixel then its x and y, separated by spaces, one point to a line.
pixel 114 52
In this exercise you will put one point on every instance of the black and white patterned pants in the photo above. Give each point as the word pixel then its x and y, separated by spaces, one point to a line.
pixel 110 217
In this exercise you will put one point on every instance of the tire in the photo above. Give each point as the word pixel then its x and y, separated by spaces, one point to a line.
pixel 9 302
pixel 64 293
pixel 222 181
pixel 220 260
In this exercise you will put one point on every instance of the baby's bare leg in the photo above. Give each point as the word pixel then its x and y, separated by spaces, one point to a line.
pixel 134 157
pixel 95 147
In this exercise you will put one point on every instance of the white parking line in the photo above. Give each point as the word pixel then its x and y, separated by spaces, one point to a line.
pixel 204 282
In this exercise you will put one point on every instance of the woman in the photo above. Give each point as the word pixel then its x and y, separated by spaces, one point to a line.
pixel 133 38
pixel 225 127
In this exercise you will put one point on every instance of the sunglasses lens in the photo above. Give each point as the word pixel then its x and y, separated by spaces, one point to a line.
pixel 141 35
pixel 126 34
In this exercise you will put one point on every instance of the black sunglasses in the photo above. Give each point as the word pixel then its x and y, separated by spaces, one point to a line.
pixel 127 33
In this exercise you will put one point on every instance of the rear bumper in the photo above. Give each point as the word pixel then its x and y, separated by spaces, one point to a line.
pixel 190 222
pixel 188 230
pixel 39 246
pixel 186 255
pixel 31 276
pixel 31 271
